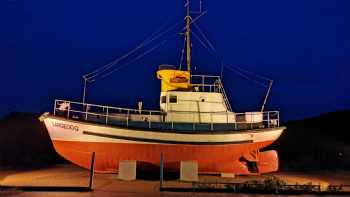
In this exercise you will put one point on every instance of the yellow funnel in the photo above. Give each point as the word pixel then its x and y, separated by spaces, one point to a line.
pixel 174 79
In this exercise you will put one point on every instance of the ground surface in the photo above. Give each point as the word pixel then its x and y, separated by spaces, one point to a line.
pixel 109 185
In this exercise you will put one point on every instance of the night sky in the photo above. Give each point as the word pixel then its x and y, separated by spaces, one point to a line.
pixel 303 45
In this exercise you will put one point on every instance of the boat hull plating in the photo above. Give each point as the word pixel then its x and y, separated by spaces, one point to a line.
pixel 229 152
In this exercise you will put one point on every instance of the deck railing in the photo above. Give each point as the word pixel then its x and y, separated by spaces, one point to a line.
pixel 210 83
pixel 153 119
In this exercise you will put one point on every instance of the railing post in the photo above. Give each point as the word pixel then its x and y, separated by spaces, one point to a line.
pixel 54 112
pixel 211 121
pixel 172 121
pixel 127 118
pixel 235 121
pixel 107 111
pixel 203 84
pixel 149 119
pixel 268 119
pixel 86 111
pixel 251 120
pixel 278 119
pixel 193 126
pixel 68 109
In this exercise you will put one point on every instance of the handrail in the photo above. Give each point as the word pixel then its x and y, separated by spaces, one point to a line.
pixel 206 85
pixel 155 111
pixel 105 106
pixel 103 115
pixel 268 118
pixel 208 76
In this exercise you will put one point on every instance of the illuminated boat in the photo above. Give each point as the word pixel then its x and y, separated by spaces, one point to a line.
pixel 195 122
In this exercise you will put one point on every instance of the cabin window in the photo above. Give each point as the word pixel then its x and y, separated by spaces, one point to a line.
pixel 163 99
pixel 173 99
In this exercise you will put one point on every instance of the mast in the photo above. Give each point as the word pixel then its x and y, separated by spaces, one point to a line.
pixel 188 35
pixel 266 96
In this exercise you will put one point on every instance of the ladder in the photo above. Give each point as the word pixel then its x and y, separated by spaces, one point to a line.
pixel 222 91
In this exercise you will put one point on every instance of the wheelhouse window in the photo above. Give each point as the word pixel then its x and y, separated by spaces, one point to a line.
pixel 173 99
pixel 163 99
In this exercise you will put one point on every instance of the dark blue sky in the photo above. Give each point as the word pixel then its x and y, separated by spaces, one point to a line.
pixel 46 46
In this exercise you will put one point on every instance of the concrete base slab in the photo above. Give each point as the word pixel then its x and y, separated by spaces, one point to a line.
pixel 107 184
pixel 127 170
pixel 189 171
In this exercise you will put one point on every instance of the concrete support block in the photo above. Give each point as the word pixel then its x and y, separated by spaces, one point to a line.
pixel 189 171
pixel 227 175
pixel 127 170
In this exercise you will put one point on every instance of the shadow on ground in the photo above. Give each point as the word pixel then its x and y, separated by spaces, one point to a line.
pixel 25 143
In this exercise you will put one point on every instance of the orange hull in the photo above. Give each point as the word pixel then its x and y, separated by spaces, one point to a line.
pixel 231 158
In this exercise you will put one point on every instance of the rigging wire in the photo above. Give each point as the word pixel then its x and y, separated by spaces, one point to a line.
pixel 146 42
pixel 222 66
pixel 210 48
pixel 132 61
pixel 268 86
pixel 246 76
pixel 214 52
pixel 205 38
pixel 90 76
pixel 239 70
pixel 195 19
pixel 182 54
pixel 252 73
pixel 200 41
